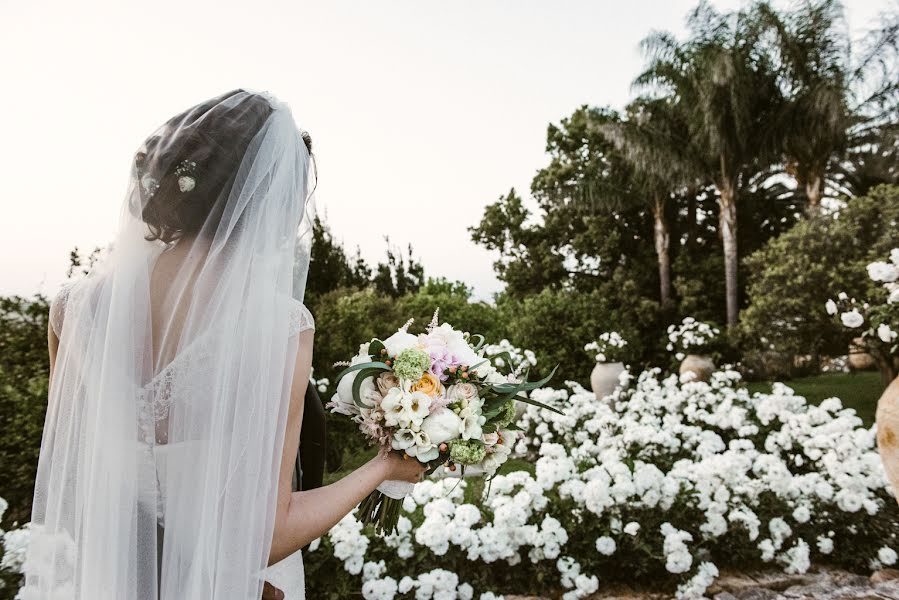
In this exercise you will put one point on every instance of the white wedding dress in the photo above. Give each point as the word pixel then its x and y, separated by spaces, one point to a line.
pixel 156 398
pixel 167 410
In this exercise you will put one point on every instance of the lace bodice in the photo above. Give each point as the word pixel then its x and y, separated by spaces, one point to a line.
pixel 154 398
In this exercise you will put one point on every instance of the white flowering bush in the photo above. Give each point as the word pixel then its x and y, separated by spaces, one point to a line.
pixel 691 337
pixel 609 347
pixel 876 322
pixel 670 483
pixel 505 354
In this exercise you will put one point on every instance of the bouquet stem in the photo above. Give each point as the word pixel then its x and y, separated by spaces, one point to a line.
pixel 381 511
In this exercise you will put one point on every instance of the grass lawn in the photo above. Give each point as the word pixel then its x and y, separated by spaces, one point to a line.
pixel 858 390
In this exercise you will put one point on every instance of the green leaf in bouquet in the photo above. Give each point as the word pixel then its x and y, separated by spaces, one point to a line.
pixel 475 366
pixel 375 346
pixel 493 407
pixel 480 343
pixel 525 385
pixel 357 384
pixel 509 391
pixel 539 404
pixel 506 357
pixel 366 365
pixel 365 370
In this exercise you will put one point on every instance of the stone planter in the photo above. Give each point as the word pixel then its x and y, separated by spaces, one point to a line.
pixel 701 366
pixel 859 360
pixel 604 378
pixel 887 419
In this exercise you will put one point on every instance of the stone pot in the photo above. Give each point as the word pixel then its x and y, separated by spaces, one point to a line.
pixel 604 378
pixel 859 360
pixel 887 419
pixel 701 366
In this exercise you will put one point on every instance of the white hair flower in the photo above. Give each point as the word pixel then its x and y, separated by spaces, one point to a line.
pixel 186 183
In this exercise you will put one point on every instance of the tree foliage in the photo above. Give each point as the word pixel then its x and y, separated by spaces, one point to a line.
pixel 793 275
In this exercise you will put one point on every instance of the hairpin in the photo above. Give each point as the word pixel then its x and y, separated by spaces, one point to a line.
pixel 186 172
pixel 149 184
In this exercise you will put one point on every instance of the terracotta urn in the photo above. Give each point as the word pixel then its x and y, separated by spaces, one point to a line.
pixel 887 420
pixel 701 366
pixel 604 378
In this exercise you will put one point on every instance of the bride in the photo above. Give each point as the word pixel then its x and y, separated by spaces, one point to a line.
pixel 178 371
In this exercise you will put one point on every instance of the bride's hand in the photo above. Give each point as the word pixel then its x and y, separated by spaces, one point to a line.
pixel 400 467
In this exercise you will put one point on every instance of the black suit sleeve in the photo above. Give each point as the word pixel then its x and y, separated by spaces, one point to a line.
pixel 310 467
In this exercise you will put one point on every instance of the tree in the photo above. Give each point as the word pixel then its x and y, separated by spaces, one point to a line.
pixel 723 82
pixel 654 139
pixel 831 102
pixel 399 275
pixel 331 269
pixel 24 366
pixel 587 228
pixel 329 266
pixel 794 274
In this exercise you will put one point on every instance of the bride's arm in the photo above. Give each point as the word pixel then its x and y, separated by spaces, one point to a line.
pixel 306 515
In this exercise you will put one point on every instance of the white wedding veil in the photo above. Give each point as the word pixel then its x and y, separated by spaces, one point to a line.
pixel 168 402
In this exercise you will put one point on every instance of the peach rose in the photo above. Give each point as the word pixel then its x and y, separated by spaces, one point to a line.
pixel 428 384
pixel 387 380
pixel 462 391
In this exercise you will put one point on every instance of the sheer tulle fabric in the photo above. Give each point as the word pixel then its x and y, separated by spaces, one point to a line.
pixel 179 353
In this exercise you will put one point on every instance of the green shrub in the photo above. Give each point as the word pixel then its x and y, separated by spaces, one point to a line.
pixel 24 369
pixel 793 275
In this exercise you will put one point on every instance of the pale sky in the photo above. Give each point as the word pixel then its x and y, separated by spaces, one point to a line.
pixel 421 112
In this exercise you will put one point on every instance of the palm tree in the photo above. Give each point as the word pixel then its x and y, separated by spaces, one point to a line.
pixel 721 80
pixel 831 104
pixel 654 139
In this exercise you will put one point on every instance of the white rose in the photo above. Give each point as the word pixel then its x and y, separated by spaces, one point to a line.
pixel 399 341
pixel 441 426
pixel 462 391
pixel 605 545
pixel 852 318
pixel 894 296
pixel 881 271
pixel 887 556
pixel 831 307
pixel 885 334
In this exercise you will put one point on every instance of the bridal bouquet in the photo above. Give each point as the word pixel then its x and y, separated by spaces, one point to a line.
pixel 437 397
